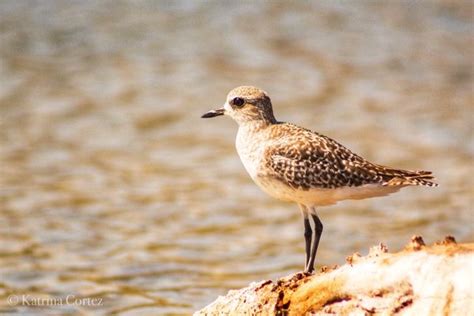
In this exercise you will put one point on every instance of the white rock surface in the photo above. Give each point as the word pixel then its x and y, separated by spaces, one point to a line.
pixel 420 280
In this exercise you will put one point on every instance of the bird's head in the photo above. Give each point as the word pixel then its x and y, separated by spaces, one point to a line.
pixel 246 104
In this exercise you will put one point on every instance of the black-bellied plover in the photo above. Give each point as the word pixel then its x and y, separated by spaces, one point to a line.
pixel 295 164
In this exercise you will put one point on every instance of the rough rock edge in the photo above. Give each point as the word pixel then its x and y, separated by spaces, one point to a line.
pixel 420 279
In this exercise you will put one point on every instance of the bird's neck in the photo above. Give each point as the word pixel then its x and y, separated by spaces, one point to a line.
pixel 255 126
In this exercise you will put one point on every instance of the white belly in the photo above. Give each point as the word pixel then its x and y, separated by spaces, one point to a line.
pixel 321 197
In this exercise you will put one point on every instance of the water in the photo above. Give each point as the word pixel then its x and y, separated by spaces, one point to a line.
pixel 112 187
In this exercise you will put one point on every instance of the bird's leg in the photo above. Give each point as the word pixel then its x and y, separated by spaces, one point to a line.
pixel 318 230
pixel 308 234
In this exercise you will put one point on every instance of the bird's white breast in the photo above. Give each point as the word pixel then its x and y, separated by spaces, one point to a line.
pixel 250 150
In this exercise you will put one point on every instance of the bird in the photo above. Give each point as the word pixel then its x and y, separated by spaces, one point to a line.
pixel 295 164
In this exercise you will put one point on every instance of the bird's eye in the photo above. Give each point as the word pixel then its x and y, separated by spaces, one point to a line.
pixel 238 102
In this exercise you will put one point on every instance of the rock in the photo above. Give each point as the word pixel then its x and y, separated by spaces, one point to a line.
pixel 419 280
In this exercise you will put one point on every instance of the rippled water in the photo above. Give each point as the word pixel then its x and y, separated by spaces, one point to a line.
pixel 112 187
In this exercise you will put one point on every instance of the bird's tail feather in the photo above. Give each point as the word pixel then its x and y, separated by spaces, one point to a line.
pixel 396 177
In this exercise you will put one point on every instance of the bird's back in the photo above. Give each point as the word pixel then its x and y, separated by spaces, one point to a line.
pixel 296 161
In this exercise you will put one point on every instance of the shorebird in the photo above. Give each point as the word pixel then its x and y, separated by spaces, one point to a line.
pixel 295 164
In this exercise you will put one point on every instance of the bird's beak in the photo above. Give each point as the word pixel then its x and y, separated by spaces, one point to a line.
pixel 213 113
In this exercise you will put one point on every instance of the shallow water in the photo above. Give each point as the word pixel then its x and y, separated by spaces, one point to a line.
pixel 112 187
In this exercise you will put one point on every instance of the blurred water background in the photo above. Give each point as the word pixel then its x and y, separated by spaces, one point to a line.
pixel 113 187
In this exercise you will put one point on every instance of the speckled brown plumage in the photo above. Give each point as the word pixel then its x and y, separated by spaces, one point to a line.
pixel 305 159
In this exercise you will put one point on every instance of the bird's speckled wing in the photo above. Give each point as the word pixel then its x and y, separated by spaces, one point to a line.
pixel 304 160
